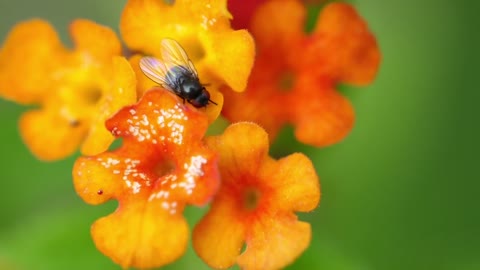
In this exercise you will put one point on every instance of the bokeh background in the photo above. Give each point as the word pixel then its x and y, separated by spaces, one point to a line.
pixel 401 192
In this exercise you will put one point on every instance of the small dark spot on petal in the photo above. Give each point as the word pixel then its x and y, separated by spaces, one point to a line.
pixel 74 123
pixel 100 192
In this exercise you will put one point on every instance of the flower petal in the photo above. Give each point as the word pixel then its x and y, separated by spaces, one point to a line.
pixel 94 181
pixel 275 242
pixel 97 40
pixel 278 23
pixel 242 148
pixel 230 56
pixel 262 102
pixel 296 186
pixel 343 40
pixel 36 127
pixel 144 23
pixel 218 238
pixel 30 54
pixel 141 235
pixel 325 121
pixel 120 92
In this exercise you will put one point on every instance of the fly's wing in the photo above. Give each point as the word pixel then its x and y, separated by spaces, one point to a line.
pixel 156 71
pixel 174 56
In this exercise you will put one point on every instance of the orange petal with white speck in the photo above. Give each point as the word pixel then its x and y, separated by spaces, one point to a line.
pixel 98 179
pixel 161 166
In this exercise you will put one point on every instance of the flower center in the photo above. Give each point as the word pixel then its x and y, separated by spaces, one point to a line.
pixel 91 95
pixel 164 167
pixel 251 198
pixel 286 81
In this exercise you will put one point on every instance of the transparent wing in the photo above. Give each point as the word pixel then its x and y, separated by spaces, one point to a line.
pixel 157 71
pixel 174 55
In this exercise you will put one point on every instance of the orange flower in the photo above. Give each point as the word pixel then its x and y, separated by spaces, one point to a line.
pixel 77 90
pixel 161 166
pixel 295 75
pixel 256 204
pixel 220 54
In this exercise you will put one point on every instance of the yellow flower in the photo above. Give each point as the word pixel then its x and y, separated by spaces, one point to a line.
pixel 76 89
pixel 221 55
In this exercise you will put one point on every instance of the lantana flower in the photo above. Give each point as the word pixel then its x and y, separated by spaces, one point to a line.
pixel 296 74
pixel 161 166
pixel 256 203
pixel 76 89
pixel 221 55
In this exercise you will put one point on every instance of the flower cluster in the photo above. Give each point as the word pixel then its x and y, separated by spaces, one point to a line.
pixel 261 74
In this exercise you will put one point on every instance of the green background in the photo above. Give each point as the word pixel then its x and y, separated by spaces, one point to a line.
pixel 401 192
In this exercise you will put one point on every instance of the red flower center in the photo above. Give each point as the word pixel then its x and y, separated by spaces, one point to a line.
pixel 251 198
